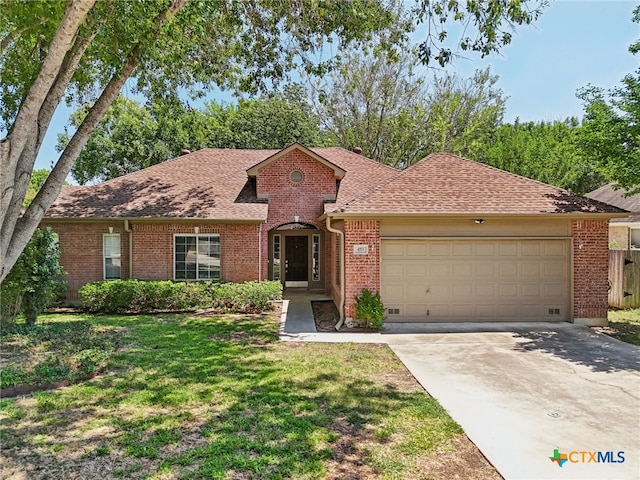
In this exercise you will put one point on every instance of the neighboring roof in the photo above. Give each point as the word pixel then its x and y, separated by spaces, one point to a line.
pixel 209 184
pixel 617 196
pixel 447 184
pixel 338 172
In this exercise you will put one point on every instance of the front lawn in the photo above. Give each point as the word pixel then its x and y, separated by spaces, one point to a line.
pixel 624 325
pixel 194 397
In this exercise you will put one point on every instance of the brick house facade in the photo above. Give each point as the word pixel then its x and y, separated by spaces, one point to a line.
pixel 331 220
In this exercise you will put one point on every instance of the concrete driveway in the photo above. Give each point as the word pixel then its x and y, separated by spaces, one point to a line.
pixel 523 391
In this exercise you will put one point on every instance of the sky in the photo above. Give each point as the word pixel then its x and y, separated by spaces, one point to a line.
pixel 574 43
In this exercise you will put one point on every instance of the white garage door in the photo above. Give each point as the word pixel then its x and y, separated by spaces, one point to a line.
pixel 475 280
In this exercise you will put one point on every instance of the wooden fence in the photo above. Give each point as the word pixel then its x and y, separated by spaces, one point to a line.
pixel 624 278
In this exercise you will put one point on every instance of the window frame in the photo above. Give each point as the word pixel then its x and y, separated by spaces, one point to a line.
pixel 632 245
pixel 197 236
pixel 105 257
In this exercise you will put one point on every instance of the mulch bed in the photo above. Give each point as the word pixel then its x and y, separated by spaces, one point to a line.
pixel 325 314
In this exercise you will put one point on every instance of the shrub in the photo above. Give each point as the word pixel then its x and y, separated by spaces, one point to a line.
pixel 369 309
pixel 136 296
pixel 34 281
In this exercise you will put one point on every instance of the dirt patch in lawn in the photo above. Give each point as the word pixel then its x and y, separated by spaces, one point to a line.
pixel 326 317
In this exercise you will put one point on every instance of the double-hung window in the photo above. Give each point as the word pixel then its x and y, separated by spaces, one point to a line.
pixel 197 257
pixel 111 256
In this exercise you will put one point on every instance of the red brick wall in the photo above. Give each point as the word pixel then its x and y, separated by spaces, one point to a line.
pixel 81 251
pixel 361 271
pixel 152 250
pixel 305 199
pixel 590 268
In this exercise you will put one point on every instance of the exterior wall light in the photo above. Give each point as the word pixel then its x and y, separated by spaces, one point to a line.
pixel 479 220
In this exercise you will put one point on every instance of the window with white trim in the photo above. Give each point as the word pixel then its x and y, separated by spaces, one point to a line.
pixel 634 238
pixel 197 257
pixel 111 256
pixel 276 257
pixel 315 256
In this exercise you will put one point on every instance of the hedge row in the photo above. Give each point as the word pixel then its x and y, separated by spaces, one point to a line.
pixel 136 296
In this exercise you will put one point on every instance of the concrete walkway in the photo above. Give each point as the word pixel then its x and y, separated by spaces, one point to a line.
pixel 522 390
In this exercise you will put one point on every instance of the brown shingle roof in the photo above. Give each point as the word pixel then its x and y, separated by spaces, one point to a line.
pixel 210 183
pixel 447 184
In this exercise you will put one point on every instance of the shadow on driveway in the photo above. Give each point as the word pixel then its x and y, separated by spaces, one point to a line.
pixel 582 346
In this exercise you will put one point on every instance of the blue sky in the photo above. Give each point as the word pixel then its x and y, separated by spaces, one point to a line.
pixel 574 43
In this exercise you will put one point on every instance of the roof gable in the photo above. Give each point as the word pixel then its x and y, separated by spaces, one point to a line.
pixel 255 169
pixel 447 184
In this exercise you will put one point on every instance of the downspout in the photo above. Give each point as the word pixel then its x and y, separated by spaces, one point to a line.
pixel 130 232
pixel 260 253
pixel 342 286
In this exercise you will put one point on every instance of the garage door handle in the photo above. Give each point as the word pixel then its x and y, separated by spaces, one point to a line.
pixel 427 290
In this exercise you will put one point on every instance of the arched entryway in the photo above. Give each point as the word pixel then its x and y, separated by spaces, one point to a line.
pixel 295 255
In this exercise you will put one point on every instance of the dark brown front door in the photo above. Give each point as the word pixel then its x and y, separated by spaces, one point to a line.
pixel 296 252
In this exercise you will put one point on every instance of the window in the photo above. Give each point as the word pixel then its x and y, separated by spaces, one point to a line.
pixel 315 255
pixel 197 257
pixel 111 255
pixel 634 238
pixel 276 257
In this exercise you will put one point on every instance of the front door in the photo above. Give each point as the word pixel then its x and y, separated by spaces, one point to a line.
pixel 296 254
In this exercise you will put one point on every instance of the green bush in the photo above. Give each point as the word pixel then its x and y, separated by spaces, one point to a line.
pixel 369 309
pixel 136 296
pixel 34 281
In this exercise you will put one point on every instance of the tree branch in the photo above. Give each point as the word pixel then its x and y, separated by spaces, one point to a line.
pixel 26 225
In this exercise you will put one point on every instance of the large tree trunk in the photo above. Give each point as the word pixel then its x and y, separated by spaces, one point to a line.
pixel 19 150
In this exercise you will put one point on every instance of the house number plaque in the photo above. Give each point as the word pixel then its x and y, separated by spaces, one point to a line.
pixel 360 249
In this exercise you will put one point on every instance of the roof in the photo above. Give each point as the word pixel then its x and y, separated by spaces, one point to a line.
pixel 447 184
pixel 338 172
pixel 207 184
pixel 618 197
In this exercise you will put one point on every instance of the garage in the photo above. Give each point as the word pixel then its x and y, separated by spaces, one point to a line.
pixel 488 279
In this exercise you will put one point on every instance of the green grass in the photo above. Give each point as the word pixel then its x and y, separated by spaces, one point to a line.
pixel 221 397
pixel 625 325
pixel 59 348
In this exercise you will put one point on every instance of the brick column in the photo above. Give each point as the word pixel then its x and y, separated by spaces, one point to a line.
pixel 590 271
pixel 361 270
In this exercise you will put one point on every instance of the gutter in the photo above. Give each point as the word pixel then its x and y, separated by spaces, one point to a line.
pixel 342 286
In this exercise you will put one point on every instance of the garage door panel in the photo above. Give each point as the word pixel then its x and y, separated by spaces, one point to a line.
pixel 439 249
pixel 392 270
pixel 463 249
pixel 462 270
pixel 467 280
pixel 416 270
pixel 417 249
pixel 392 249
pixel 439 270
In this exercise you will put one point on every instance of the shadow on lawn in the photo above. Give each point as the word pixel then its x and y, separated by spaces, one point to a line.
pixel 208 397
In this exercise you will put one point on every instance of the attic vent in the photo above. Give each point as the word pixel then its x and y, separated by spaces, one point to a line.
pixel 296 176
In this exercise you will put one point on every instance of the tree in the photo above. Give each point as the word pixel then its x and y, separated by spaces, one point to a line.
pixel 544 151
pixel 461 112
pixel 34 281
pixel 86 50
pixel 377 103
pixel 611 127
pixel 38 177
pixel 380 104
pixel 132 136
